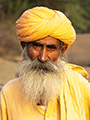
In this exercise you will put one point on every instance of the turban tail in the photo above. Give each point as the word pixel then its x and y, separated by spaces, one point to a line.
pixel 39 22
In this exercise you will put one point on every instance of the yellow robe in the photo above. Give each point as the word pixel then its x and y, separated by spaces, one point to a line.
pixel 74 102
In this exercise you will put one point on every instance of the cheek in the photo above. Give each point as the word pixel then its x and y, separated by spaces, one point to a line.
pixel 54 56
pixel 32 54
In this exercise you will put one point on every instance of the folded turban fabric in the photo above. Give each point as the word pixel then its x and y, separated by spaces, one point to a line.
pixel 39 22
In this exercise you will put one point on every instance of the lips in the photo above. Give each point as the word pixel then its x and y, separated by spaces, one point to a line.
pixel 42 67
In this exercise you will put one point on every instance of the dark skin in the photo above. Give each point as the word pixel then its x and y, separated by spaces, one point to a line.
pixel 44 49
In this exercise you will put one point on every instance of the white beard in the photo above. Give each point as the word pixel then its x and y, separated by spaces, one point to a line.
pixel 40 81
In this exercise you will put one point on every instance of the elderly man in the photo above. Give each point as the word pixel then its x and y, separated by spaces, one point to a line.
pixel 47 87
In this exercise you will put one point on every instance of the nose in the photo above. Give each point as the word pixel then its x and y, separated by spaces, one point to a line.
pixel 43 55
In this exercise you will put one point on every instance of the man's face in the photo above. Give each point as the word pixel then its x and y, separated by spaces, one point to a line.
pixel 40 69
pixel 47 48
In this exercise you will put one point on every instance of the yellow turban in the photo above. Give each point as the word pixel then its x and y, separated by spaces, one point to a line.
pixel 39 22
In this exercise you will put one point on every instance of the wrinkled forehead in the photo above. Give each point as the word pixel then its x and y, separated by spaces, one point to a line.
pixel 44 41
pixel 48 40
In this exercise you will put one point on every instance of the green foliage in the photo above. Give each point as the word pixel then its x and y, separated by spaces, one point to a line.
pixel 79 14
pixel 77 11
pixel 12 9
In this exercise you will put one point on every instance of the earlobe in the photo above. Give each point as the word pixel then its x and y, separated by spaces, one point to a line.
pixel 63 49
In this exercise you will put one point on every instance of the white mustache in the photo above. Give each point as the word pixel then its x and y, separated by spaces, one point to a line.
pixel 46 66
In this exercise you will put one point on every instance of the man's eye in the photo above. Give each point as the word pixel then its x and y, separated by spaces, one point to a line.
pixel 36 45
pixel 52 47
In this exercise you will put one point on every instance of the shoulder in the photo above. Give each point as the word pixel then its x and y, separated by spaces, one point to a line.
pixel 78 69
pixel 12 85
pixel 79 74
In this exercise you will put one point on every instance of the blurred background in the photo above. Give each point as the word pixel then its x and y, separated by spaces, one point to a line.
pixel 77 11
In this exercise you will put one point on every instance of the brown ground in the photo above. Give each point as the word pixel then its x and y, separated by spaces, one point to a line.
pixel 7 70
pixel 10 51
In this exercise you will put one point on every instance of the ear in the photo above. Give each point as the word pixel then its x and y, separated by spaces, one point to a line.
pixel 63 49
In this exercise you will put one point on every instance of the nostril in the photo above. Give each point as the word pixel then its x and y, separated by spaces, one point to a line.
pixel 40 60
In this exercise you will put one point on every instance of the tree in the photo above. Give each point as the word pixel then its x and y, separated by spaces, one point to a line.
pixel 77 11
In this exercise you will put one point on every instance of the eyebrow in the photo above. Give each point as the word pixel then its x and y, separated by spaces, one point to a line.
pixel 36 43
pixel 49 46
pixel 52 46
